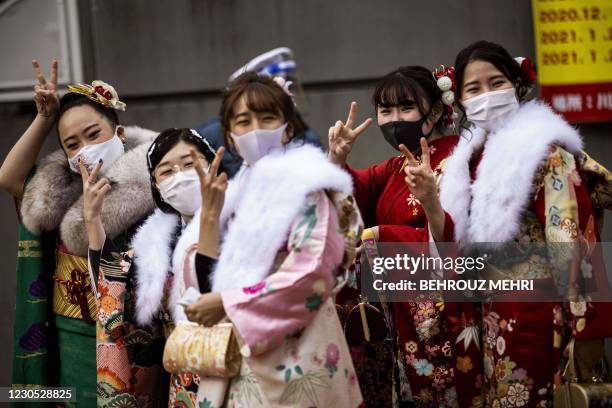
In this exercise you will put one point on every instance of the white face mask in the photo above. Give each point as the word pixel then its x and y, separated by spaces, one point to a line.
pixel 257 143
pixel 484 110
pixel 108 152
pixel 182 192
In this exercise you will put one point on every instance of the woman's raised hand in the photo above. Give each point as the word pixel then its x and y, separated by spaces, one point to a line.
pixel 212 185
pixel 45 92
pixel 419 176
pixel 342 136
pixel 94 191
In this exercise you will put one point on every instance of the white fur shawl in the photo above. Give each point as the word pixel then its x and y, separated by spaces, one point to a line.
pixel 490 209
pixel 53 197
pixel 152 245
pixel 264 208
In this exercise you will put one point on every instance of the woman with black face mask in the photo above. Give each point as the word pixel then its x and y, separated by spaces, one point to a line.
pixel 399 202
pixel 409 107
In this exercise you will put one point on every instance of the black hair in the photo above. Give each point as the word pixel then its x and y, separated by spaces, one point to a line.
pixel 162 144
pixel 409 84
pixel 72 100
pixel 502 60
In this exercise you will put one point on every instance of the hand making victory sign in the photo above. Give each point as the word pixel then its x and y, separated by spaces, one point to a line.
pixel 419 176
pixel 212 185
pixel 422 183
pixel 45 93
pixel 342 136
pixel 208 309
pixel 22 157
pixel 94 191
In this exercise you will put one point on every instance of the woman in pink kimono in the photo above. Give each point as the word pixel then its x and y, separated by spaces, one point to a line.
pixel 289 228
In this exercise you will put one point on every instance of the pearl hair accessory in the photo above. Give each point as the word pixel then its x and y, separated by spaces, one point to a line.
pixel 445 80
pixel 445 83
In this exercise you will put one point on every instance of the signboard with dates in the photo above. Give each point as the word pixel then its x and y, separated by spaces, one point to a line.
pixel 574 57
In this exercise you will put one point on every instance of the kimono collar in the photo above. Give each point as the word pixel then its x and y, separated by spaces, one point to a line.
pixel 490 209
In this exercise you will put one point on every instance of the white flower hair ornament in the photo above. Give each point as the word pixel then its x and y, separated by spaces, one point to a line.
pixel 100 92
pixel 445 80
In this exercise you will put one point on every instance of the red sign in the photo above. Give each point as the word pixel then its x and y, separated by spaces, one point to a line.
pixel 581 103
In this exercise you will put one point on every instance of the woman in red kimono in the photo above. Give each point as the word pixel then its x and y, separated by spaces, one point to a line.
pixel 519 176
pixel 411 107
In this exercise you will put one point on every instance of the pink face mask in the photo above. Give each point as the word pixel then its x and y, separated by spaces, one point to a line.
pixel 257 143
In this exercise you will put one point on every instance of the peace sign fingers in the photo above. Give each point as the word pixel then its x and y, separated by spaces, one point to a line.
pixel 361 128
pixel 198 165
pixel 41 78
pixel 45 93
pixel 39 75
pixel 214 167
pixel 425 153
pixel 350 121
pixel 84 172
pixel 53 78
pixel 412 162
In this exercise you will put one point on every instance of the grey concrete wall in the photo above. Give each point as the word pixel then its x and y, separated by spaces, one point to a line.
pixel 168 59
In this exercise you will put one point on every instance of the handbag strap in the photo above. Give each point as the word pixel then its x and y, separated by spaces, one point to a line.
pixel 569 373
pixel 371 252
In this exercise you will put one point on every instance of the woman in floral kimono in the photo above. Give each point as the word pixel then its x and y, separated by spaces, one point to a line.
pixel 139 289
pixel 412 106
pixel 55 313
pixel 518 176
pixel 290 228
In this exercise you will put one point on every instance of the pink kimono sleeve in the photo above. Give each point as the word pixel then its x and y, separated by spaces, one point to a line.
pixel 284 303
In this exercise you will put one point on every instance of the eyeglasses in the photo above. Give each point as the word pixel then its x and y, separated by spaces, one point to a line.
pixel 169 171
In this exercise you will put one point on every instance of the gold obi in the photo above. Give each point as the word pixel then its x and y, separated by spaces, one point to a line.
pixel 72 294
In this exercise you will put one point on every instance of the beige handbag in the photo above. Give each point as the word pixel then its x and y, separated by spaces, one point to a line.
pixel 573 394
pixel 206 351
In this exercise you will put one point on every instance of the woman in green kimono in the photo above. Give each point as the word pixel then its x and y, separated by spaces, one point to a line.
pixel 55 313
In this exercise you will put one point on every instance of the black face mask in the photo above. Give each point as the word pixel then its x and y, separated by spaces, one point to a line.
pixel 408 133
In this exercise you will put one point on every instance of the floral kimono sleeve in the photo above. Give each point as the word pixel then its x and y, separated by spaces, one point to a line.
pixel 284 303
pixel 569 220
pixel 113 363
pixel 111 267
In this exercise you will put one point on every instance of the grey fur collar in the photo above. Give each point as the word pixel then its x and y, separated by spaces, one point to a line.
pixel 53 197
